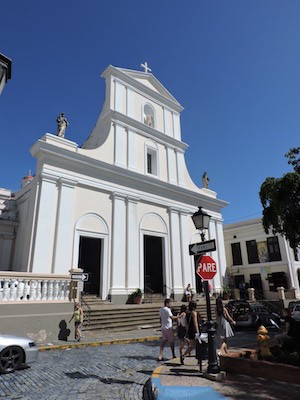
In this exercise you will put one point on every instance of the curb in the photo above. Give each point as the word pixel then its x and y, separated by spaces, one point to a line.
pixel 155 382
pixel 76 345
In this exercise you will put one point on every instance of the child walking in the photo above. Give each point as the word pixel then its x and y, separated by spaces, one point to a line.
pixel 78 318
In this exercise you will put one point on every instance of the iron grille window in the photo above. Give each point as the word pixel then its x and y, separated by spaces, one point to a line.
pixel 236 254
pixel 252 252
pixel 273 248
pixel 149 163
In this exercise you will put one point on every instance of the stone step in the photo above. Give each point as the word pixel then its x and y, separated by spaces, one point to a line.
pixel 99 317
pixel 121 325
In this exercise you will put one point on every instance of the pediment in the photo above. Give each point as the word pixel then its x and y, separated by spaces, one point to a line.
pixel 142 78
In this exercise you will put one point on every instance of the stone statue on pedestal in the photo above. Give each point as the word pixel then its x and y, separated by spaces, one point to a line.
pixel 62 125
pixel 205 180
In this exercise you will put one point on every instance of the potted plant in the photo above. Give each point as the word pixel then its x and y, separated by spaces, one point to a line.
pixel 137 296
pixel 226 292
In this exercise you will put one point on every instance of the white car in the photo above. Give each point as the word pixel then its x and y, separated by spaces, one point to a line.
pixel 296 312
pixel 15 351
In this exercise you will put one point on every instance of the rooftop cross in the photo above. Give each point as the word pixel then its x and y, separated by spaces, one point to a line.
pixel 146 68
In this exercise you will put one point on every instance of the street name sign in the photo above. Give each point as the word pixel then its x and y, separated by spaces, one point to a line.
pixel 80 277
pixel 202 247
pixel 206 268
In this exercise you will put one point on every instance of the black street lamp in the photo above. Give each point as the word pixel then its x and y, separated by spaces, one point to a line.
pixel 201 222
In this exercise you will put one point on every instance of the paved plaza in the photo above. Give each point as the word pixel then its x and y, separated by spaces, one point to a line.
pixel 128 370
pixel 89 373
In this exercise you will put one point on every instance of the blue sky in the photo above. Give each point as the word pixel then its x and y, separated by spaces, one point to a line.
pixel 233 65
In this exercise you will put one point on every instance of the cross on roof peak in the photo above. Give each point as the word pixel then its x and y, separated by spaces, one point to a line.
pixel 146 68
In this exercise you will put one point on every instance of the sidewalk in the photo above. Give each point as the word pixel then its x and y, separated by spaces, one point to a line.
pixel 173 381
pixel 104 338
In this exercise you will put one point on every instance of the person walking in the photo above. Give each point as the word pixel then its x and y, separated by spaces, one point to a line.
pixel 181 328
pixel 166 319
pixel 224 330
pixel 192 329
pixel 78 319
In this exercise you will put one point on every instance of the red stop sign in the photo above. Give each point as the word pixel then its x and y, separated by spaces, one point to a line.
pixel 206 268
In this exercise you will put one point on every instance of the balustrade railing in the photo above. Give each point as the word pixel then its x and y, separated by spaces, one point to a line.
pixel 15 286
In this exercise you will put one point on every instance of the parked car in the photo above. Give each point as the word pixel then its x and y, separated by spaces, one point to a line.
pixel 252 315
pixel 296 312
pixel 15 351
pixel 292 304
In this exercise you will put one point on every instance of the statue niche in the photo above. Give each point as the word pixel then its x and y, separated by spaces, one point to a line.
pixel 148 115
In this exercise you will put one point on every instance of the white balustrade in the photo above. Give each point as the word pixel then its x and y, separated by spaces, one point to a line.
pixel 36 288
pixel 20 290
pixel 6 290
pixel 55 290
pixel 32 290
pixel 26 295
pixel 66 292
pixel 13 290
pixel 44 289
pixel 39 290
pixel 50 290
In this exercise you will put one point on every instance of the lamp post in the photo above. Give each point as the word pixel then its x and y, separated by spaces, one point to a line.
pixel 201 222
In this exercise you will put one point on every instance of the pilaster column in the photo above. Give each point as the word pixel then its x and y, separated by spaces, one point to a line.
pixel 133 272
pixel 42 253
pixel 130 102
pixel 118 245
pixel 132 155
pixel 172 165
pixel 181 168
pixel 221 261
pixel 64 227
pixel 120 145
pixel 186 270
pixel 175 250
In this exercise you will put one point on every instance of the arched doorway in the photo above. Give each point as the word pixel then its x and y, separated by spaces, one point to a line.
pixel 154 248
pixel 153 263
pixel 90 261
pixel 91 253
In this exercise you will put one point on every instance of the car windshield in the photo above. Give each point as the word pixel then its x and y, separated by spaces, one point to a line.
pixel 292 304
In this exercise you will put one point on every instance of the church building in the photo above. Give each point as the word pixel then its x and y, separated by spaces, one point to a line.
pixel 120 205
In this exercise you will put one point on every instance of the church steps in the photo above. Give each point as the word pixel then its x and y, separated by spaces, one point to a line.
pixel 121 325
pixel 128 317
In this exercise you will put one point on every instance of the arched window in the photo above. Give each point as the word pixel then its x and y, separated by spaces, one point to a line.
pixel 148 115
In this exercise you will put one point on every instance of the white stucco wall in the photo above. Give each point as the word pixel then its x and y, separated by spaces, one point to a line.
pixel 103 190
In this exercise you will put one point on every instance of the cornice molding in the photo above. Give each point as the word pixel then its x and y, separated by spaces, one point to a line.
pixel 145 130
pixel 81 165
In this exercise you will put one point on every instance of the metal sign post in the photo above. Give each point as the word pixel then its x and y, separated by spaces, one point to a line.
pixel 196 249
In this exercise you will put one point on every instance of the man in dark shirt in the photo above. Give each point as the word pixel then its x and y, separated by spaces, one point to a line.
pixel 291 328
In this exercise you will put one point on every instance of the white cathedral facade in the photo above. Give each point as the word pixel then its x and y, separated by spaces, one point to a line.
pixel 119 206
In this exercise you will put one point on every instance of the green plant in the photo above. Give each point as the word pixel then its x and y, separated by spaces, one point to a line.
pixel 226 289
pixel 137 293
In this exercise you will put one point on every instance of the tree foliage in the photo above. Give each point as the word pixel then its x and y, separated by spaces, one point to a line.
pixel 280 198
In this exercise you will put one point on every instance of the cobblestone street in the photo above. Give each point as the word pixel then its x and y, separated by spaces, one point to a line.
pixel 112 372
pixel 91 373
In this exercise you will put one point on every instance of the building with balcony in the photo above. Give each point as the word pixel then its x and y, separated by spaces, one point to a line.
pixel 261 261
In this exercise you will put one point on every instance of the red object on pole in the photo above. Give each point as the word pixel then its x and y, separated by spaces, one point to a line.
pixel 206 268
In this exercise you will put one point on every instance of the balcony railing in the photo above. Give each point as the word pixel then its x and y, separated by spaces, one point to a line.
pixel 18 287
